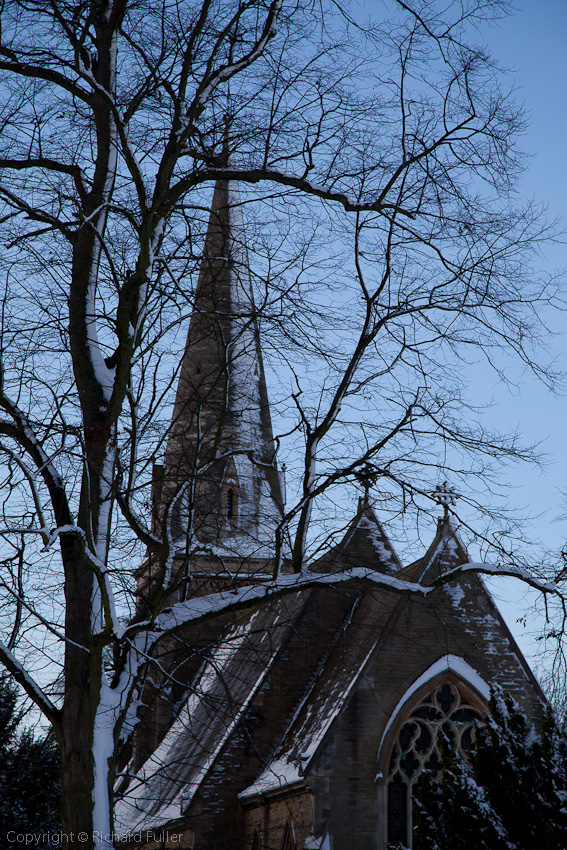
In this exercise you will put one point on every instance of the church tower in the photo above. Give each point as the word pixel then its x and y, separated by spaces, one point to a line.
pixel 217 498
pixel 218 493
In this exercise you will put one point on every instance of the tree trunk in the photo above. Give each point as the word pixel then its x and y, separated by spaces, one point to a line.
pixel 83 672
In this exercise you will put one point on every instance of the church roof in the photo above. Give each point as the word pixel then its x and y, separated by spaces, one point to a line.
pixel 446 552
pixel 321 638
pixel 365 544
pixel 237 667
pixel 329 690
pixel 285 673
pixel 341 632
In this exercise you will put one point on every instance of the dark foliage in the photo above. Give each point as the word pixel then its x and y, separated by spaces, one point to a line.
pixel 511 797
pixel 29 780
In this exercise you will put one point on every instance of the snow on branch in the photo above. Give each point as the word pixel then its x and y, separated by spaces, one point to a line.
pixel 20 674
pixel 496 570
pixel 209 606
pixel 225 72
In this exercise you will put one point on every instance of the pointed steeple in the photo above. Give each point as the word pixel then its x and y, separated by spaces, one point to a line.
pixel 220 476
pixel 445 553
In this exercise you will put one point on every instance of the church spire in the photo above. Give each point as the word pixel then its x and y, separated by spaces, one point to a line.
pixel 220 476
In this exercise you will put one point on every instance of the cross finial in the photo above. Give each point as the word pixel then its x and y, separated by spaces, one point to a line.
pixel 445 495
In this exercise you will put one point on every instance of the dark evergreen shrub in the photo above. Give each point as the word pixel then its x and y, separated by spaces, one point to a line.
pixel 29 781
pixel 512 795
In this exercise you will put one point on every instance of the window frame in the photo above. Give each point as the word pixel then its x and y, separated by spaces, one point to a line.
pixel 468 693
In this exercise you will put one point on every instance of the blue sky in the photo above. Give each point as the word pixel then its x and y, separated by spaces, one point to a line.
pixel 533 43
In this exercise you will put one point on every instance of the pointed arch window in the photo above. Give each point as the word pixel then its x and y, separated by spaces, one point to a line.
pixel 289 842
pixel 230 497
pixel 447 711
pixel 230 506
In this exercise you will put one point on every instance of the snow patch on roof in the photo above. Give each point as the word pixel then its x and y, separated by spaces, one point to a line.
pixel 240 546
pixel 287 769
pixel 169 778
pixel 455 593
pixel 279 774
pixel 235 670
pixel 385 553
pixel 317 842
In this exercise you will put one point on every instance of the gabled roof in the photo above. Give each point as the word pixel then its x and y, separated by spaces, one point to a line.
pixel 365 544
pixel 343 633
pixel 446 552
pixel 228 681
pixel 337 632
pixel 290 669
pixel 322 638
pixel 330 689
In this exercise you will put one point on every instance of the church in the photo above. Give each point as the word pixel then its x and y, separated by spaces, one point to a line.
pixel 305 722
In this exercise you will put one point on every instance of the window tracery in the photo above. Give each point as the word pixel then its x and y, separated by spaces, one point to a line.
pixel 444 714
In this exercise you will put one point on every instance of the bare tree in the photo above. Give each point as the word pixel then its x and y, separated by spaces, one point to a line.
pixel 376 165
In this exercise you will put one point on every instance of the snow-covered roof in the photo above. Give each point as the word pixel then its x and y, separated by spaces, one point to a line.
pixel 167 781
pixel 283 677
pixel 328 691
pixel 338 633
pixel 446 552
pixel 365 544
pixel 344 628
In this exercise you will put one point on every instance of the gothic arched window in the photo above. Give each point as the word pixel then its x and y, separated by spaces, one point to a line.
pixel 230 491
pixel 447 711
pixel 289 842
